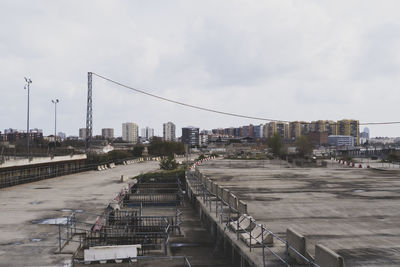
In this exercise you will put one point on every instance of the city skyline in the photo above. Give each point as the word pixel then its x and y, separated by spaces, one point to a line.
pixel 322 62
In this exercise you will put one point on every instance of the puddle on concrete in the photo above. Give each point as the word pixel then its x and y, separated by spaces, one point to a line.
pixel 69 210
pixel 52 221
pixel 180 245
pixel 46 187
pixel 35 202
pixel 66 210
pixel 358 190
pixel 36 239
pixel 17 243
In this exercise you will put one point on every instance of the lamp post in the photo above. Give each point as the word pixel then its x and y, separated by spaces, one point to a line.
pixel 27 86
pixel 55 122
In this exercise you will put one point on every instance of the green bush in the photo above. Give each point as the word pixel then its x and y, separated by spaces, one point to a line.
pixel 168 164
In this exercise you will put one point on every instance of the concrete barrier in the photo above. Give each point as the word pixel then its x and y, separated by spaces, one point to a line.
pixel 209 184
pixel 220 191
pixel 214 188
pixel 233 201
pixel 298 242
pixel 225 195
pixel 327 258
pixel 242 207
pixel 117 253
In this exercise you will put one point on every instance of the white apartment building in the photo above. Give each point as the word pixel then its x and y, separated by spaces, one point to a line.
pixel 82 133
pixel 147 133
pixel 169 131
pixel 130 132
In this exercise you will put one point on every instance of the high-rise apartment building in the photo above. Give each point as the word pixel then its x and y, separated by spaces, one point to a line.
pixel 318 126
pixel 107 133
pixel 258 131
pixel 273 127
pixel 349 127
pixel 169 132
pixel 331 127
pixel 130 132
pixel 147 133
pixel 190 136
pixel 82 133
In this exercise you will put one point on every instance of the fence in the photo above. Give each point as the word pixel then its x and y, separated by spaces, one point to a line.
pixel 152 232
pixel 115 227
pixel 11 178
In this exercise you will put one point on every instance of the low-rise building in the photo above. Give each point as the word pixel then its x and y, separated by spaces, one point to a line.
pixel 341 140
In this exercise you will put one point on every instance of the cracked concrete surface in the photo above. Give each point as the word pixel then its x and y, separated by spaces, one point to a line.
pixel 355 212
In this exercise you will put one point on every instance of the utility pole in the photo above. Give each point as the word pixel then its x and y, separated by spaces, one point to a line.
pixel 55 102
pixel 28 135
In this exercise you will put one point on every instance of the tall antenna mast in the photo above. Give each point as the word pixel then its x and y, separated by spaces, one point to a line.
pixel 89 117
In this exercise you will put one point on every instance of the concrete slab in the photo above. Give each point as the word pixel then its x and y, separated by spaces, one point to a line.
pixel 22 240
pixel 355 212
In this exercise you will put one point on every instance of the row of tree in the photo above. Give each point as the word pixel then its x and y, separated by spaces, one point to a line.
pixel 303 146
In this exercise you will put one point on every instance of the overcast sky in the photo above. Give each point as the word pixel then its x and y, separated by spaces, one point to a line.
pixel 288 60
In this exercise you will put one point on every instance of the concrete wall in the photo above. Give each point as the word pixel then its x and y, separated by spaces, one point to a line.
pixel 298 242
pixel 326 257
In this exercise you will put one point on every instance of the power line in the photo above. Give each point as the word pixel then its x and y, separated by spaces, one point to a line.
pixel 214 110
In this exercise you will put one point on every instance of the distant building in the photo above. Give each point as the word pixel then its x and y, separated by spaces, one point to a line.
pixel 341 140
pixel 107 133
pixel 8 131
pixel 203 139
pixel 365 133
pixel 318 138
pixel 364 136
pixel 274 127
pixel 169 132
pixel 62 135
pixel 130 132
pixel 147 133
pixel 12 135
pixel 258 131
pixel 349 127
pixel 190 136
pixel 297 129
pixel 82 133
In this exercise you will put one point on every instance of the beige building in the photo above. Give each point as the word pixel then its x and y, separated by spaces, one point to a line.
pixel 107 133
pixel 130 132
pixel 349 127
pixel 82 133
pixel 298 128
pixel 169 130
pixel 282 128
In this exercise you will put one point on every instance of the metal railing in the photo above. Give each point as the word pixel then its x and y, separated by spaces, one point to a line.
pixel 232 216
pixel 146 230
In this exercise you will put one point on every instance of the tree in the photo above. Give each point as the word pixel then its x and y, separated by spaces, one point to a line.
pixel 275 144
pixel 168 164
pixel 201 157
pixel 137 151
pixel 303 146
pixel 160 148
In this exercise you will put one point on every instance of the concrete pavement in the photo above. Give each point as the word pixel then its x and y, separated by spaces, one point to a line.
pixel 23 242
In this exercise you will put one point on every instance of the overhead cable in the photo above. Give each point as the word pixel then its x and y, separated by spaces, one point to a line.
pixel 214 110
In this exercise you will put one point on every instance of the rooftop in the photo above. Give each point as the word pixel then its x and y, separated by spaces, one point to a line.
pixel 353 211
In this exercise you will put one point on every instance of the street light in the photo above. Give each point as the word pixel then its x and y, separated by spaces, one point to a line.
pixel 27 86
pixel 55 122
